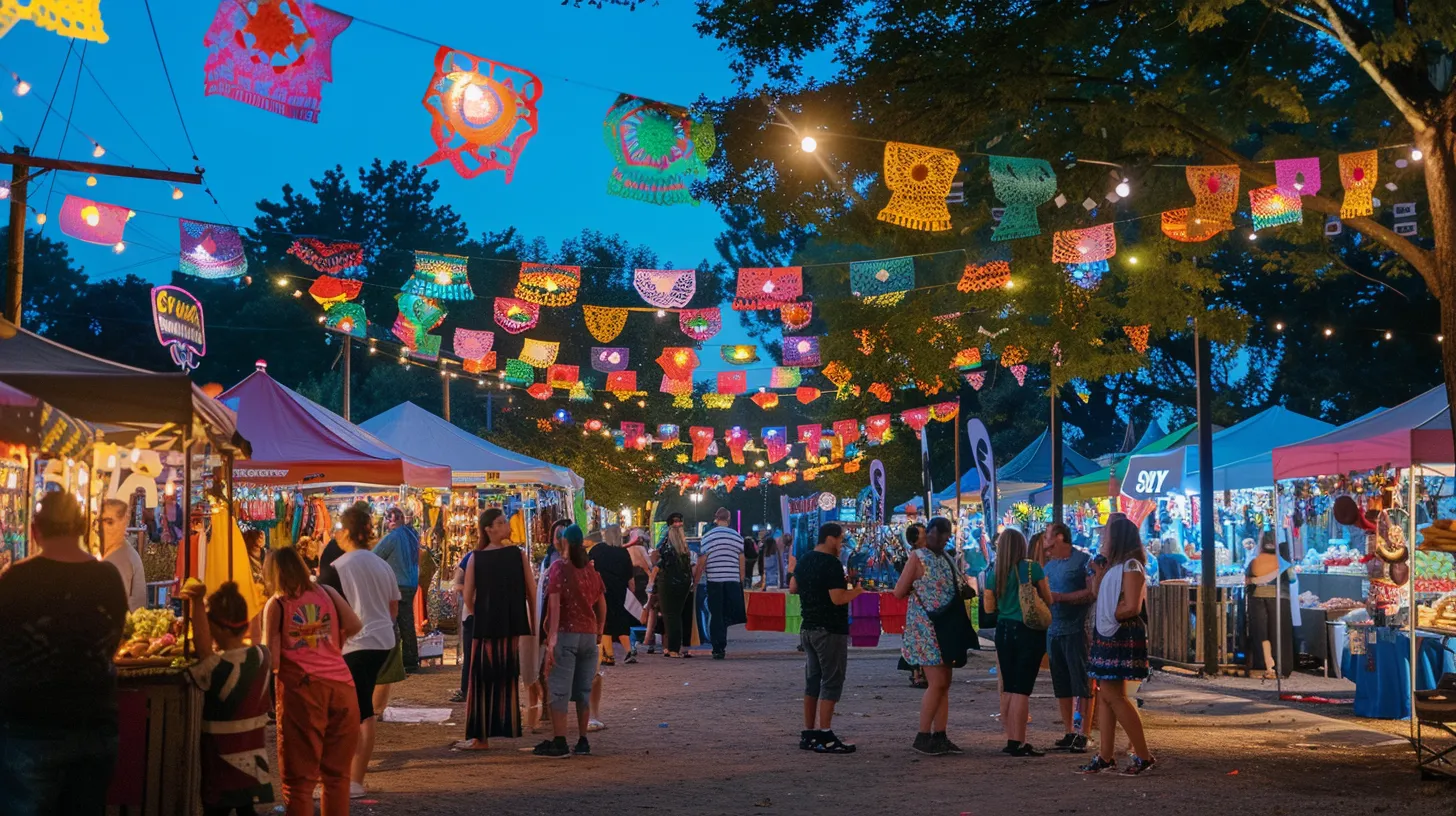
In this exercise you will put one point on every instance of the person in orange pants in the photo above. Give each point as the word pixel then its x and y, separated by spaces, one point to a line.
pixel 304 628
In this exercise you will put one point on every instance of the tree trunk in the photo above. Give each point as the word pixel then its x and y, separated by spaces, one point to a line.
pixel 1438 143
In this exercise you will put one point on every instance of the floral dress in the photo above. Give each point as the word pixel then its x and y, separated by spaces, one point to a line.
pixel 932 590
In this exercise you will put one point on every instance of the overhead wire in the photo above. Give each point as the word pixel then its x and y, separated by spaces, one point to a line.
pixel 51 104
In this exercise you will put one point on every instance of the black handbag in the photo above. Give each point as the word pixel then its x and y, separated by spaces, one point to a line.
pixel 954 633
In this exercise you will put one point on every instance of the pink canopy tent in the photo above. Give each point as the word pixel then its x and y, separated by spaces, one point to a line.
pixel 1417 431
pixel 298 442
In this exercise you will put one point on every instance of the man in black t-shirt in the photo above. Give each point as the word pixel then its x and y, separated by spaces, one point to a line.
pixel 823 596
pixel 61 619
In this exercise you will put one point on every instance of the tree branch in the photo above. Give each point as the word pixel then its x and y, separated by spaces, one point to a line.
pixel 1341 33
pixel 1277 5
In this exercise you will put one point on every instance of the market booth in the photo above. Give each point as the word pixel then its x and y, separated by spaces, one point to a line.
pixel 71 421
pixel 533 493
pixel 1389 652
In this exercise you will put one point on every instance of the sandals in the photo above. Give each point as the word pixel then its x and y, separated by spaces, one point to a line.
pixel 471 745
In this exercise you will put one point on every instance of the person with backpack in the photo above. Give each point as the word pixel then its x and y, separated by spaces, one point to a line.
pixel 932 582
pixel 1015 589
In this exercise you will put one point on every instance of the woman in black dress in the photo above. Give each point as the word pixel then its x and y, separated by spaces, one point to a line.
pixel 614 565
pixel 498 589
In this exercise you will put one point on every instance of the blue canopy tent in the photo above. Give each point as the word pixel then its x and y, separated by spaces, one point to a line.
pixel 1027 471
pixel 1243 454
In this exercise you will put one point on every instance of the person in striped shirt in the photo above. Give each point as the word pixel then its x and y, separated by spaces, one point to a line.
pixel 721 556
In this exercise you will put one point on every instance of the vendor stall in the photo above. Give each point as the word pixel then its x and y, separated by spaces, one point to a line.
pixel 1384 467
pixel 105 431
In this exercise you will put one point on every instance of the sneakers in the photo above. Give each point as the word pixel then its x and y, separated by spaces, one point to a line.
pixel 594 725
pixel 652 648
pixel 1011 746
pixel 943 741
pixel 1076 743
pixel 552 749
pixel 809 739
pixel 457 696
pixel 830 744
pixel 582 747
pixel 632 657
pixel 1138 765
pixel 1025 750
pixel 928 745
pixel 1098 765
pixel 357 790
pixel 720 655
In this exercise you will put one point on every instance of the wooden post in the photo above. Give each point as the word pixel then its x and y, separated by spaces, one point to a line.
pixel 15 272
pixel 1055 425
pixel 20 162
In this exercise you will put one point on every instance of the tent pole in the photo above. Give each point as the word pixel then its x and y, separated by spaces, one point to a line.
pixel 186 502
pixel 1410 549
pixel 1056 434
pixel 957 467
pixel 232 523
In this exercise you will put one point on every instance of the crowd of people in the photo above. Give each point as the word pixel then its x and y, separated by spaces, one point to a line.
pixel 338 630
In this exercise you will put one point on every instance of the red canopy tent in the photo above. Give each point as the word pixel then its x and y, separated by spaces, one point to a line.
pixel 298 442
pixel 1416 432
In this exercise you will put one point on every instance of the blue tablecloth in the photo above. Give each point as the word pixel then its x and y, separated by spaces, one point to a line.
pixel 1382 675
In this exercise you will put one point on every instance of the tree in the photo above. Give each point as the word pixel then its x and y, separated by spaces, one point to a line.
pixel 1137 84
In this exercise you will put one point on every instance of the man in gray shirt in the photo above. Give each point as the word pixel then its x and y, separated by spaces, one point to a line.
pixel 118 552
pixel 1066 573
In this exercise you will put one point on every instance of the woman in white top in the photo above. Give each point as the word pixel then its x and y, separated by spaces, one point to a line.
pixel 1119 654
pixel 369 585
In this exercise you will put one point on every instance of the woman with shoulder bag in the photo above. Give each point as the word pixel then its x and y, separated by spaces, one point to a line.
pixel 1017 592
pixel 937 632
pixel 1119 654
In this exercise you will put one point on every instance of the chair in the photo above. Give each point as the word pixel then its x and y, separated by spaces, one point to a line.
pixel 1436 710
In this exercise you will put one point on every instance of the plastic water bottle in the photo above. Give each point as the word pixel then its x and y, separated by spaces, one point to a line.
pixel 1077 720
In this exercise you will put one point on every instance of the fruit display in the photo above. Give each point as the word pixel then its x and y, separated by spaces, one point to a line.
pixel 150 633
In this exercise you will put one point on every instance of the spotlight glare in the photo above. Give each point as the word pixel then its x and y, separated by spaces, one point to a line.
pixel 808 144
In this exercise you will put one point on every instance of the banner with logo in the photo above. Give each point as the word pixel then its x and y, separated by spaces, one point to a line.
pixel 177 316
pixel 1152 475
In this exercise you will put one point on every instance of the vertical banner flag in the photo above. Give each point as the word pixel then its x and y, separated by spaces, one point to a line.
pixel 985 460
pixel 877 489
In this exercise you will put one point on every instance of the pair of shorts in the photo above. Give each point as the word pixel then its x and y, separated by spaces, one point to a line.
pixel 1019 650
pixel 576 657
pixel 826 656
pixel 364 666
pixel 1067 656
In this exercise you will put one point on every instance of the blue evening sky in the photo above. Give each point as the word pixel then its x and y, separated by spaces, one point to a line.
pixel 371 109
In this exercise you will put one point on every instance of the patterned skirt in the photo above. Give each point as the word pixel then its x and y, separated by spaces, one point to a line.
pixel 1124 656
pixel 493 703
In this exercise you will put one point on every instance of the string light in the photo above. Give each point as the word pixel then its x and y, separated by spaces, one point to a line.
pixel 1132 260
pixel 1329 331
pixel 21 86
pixel 176 193
pixel 282 282
pixel 1416 154
pixel 1123 189
pixel 1253 236
pixel 1387 335
pixel 808 144
pixel 90 181
pixel 118 247
pixel 1278 327
pixel 97 151
pixel 662 313
pixel 40 218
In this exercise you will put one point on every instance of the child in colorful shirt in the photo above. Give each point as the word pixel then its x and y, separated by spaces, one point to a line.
pixel 234 682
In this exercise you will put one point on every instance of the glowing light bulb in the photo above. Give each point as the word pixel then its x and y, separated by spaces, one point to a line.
pixel 118 247
pixel 808 144
pixel 759 463
pixel 1416 154
pixel 1132 259
pixel 281 282
pixel 90 181
pixel 1329 332
pixel 1253 236
pixel 551 285
pixel 21 86
pixel 1010 284
pixel 176 193
pixel 442 277
pixel 607 405
pixel 1278 327
pixel 662 313
pixel 768 287
pixel 98 151
pixel 91 215
pixel 680 358
pixel 1387 335
pixel 641 403
pixel 40 218
pixel 320 318
pixel 1123 189
pixel 4 191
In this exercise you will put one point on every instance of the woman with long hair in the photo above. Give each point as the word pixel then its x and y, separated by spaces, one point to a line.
pixel 1119 655
pixel 304 629
pixel 914 540
pixel 930 581
pixel 674 588
pixel 576 614
pixel 1019 648
pixel 613 564
pixel 498 590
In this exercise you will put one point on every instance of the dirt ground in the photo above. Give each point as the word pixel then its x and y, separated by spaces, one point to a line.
pixel 709 737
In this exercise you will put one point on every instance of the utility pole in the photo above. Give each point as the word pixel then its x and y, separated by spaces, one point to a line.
pixel 1208 580
pixel 21 166
pixel 1056 440
pixel 348 352
pixel 445 387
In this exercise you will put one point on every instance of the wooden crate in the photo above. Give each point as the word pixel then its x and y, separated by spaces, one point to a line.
pixel 164 749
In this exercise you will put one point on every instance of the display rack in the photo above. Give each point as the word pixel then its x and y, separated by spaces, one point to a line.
pixel 14 511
